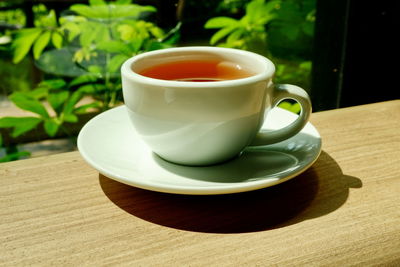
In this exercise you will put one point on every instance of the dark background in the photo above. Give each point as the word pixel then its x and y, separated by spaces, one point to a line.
pixel 356 53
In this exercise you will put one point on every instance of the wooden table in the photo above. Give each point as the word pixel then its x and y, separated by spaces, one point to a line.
pixel 344 210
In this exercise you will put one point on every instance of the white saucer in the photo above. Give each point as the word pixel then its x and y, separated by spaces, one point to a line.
pixel 110 144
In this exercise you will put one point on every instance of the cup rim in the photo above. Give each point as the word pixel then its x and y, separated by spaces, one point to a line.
pixel 128 73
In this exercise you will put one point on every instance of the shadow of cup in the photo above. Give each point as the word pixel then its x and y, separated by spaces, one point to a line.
pixel 320 190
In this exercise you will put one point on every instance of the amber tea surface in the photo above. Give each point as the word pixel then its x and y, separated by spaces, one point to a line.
pixel 197 71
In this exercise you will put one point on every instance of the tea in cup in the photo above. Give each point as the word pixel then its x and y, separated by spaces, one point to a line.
pixel 204 105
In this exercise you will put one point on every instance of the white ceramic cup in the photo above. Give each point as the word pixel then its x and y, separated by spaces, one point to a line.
pixel 203 123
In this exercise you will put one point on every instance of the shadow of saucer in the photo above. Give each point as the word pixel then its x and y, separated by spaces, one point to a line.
pixel 320 190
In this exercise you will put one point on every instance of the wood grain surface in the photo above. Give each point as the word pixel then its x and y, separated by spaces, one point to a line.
pixel 344 210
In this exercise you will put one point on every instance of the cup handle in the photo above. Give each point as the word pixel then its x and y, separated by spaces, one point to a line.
pixel 281 92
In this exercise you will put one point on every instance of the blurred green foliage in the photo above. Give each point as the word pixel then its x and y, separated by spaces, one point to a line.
pixel 282 30
pixel 13 17
pixel 109 31
pixel 248 32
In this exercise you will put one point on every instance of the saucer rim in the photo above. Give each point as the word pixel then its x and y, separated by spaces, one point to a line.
pixel 223 188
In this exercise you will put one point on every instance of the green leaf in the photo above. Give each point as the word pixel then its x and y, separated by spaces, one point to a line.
pixel 78 56
pixel 132 10
pixel 126 31
pixel 73 30
pixel 260 13
pixel 29 103
pixel 92 88
pixel 57 100
pixel 57 39
pixel 87 89
pixel 87 36
pixel 156 32
pixel 235 35
pixel 38 93
pixel 46 21
pixel 93 32
pixel 15 156
pixel 221 34
pixel 220 22
pixel 25 32
pixel 41 42
pixel 71 118
pixel 135 45
pixel 111 11
pixel 115 63
pixel 114 47
pixel 71 102
pixel 83 10
pixel 102 32
pixel 254 7
pixel 155 45
pixel 83 109
pixel 95 69
pixel 51 127
pixel 87 78
pixel 51 19
pixel 21 125
pixel 53 83
pixel 1 140
pixel 96 2
pixel 23 43
pixel 123 2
